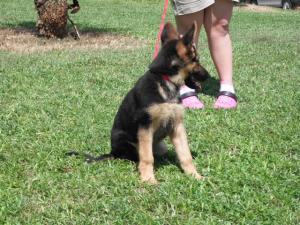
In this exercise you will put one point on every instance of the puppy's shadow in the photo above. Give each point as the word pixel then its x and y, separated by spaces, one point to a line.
pixel 169 159
pixel 210 87
pixel 2 158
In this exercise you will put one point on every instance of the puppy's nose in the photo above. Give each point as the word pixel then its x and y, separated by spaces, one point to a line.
pixel 197 69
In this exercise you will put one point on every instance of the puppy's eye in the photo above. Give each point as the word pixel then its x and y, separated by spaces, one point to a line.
pixel 176 64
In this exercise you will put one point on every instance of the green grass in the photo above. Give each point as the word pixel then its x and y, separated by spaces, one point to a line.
pixel 56 101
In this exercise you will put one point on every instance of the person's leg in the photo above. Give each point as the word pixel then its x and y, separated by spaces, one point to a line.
pixel 216 22
pixel 184 22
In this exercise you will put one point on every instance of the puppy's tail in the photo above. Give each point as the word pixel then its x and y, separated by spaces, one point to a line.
pixel 90 158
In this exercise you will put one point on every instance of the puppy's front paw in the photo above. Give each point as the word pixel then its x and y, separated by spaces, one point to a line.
pixel 149 180
pixel 197 176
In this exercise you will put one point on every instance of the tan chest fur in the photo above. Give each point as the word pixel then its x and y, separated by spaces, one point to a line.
pixel 165 117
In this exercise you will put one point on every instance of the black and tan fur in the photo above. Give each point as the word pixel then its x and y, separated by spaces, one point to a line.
pixel 152 109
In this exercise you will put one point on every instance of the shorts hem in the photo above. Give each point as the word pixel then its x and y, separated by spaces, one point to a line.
pixel 180 10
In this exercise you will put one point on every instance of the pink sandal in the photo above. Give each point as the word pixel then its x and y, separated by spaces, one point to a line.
pixel 190 100
pixel 226 100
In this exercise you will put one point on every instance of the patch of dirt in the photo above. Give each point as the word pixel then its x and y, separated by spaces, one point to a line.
pixel 256 8
pixel 26 41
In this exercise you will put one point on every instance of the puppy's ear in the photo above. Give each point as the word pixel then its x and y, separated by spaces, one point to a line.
pixel 188 38
pixel 169 33
pixel 158 65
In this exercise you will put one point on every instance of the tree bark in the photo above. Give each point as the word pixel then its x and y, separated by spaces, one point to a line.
pixel 52 18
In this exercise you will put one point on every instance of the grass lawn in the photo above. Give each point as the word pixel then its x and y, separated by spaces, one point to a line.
pixel 64 99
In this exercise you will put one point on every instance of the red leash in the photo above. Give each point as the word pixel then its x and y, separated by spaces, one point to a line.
pixel 162 23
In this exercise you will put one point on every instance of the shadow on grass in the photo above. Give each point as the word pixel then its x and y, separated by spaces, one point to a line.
pixel 30 27
pixel 211 87
pixel 26 26
pixel 170 159
pixel 2 158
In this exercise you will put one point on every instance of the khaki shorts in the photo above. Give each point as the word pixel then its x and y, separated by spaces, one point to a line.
pixel 183 7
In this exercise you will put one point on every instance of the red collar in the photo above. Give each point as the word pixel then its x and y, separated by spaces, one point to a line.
pixel 166 77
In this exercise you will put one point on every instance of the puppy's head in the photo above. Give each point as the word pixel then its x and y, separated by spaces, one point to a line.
pixel 178 58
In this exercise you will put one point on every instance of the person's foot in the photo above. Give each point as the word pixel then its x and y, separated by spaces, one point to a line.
pixel 74 8
pixel 191 101
pixel 226 100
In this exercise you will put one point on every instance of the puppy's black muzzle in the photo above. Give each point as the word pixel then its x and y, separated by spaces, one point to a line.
pixel 195 79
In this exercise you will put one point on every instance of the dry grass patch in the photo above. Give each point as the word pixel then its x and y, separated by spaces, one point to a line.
pixel 257 8
pixel 26 41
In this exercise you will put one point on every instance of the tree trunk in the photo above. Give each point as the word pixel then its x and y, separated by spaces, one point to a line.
pixel 52 18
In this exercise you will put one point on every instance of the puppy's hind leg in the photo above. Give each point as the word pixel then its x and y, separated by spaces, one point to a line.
pixel 121 147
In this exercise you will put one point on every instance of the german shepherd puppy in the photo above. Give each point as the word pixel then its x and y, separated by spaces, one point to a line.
pixel 152 109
